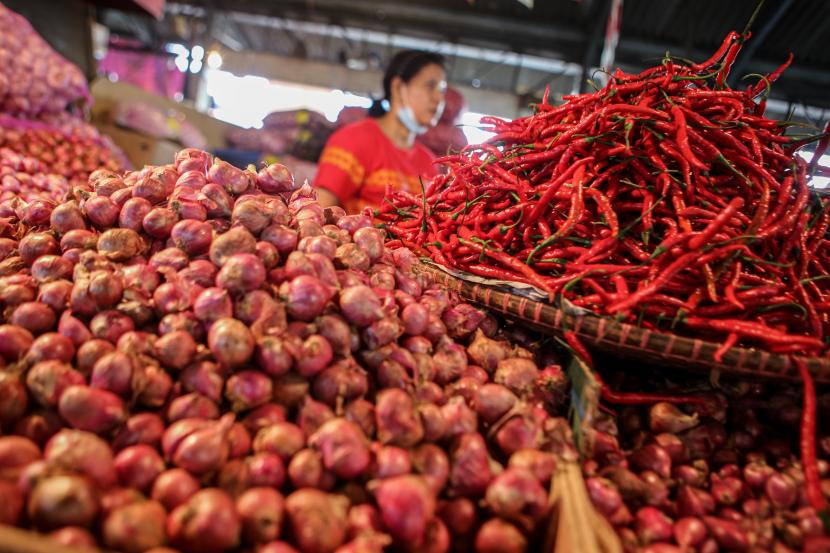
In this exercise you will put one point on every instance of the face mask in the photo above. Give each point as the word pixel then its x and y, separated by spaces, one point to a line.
pixel 407 119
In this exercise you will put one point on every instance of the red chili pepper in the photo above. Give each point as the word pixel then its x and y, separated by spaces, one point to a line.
pixel 807 442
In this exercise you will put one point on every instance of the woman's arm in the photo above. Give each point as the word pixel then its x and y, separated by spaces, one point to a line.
pixel 326 198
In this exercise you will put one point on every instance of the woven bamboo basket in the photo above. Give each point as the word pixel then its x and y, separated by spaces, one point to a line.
pixel 626 340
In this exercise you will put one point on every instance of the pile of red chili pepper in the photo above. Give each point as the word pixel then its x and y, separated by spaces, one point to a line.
pixel 664 199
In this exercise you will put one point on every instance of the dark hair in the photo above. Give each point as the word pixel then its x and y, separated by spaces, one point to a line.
pixel 405 64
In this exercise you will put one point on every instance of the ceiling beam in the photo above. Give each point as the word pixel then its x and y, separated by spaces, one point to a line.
pixel 758 39
pixel 634 52
pixel 521 33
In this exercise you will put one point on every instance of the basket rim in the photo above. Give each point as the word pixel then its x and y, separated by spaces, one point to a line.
pixel 604 333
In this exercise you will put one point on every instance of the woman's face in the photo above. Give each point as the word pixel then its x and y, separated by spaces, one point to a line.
pixel 424 93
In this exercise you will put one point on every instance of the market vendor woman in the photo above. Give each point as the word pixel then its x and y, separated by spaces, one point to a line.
pixel 362 158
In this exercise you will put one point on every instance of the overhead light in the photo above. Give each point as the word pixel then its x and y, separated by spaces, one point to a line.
pixel 357 64
pixel 214 60
pixel 175 48
pixel 195 66
pixel 181 63
pixel 197 53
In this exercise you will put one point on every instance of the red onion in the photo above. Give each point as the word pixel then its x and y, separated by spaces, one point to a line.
pixel 13 398
pixel 241 273
pixel 34 316
pixel 14 342
pixel 665 417
pixel 172 258
pixel 391 461
pixel 173 487
pixel 136 528
pixel 360 305
pixel 200 272
pixel 73 536
pixel 273 356
pixel 362 413
pixel 314 355
pixel 459 515
pixel 204 378
pixel 781 490
pixel 247 389
pixel 175 349
pixel 652 457
pixel 141 428
pixel 323 245
pixel 275 178
pixel 48 268
pixel 432 464
pixel 192 236
pixel 694 502
pixel 113 372
pixel 206 523
pixel 15 453
pixel 370 241
pixel 305 297
pixel 290 389
pixel 235 241
pixel 101 211
pixel 66 217
pixel 47 381
pixel 306 470
pixel 93 410
pixel 120 244
pixel 351 256
pixel 265 469
pixel 276 547
pixel 406 504
pixel 230 342
pixel 63 500
pixel 470 472
pixel 689 532
pixel 35 245
pixel 343 447
pixel 203 449
pixel 652 525
pixel 285 239
pixel 51 347
pixel 604 495
pixel 110 325
pixel 192 405
pixel 115 498
pixel 138 466
pixel 261 512
pixel 397 420
pixel 182 321
pixel 727 534
pixel 518 496
pixel 318 521
pixel 38 426
pixel 55 294
pixel 133 213
pixel 82 452
pixel 80 239
pixel 499 536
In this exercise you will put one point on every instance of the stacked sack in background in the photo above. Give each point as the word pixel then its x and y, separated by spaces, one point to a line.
pixel 216 361
pixel 45 149
pixel 298 133
pixel 169 124
pixel 446 136
pixel 292 138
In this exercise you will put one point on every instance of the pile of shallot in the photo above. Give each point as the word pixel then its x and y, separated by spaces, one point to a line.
pixel 201 359
pixel 37 149
pixel 34 78
pixel 28 179
pixel 721 476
